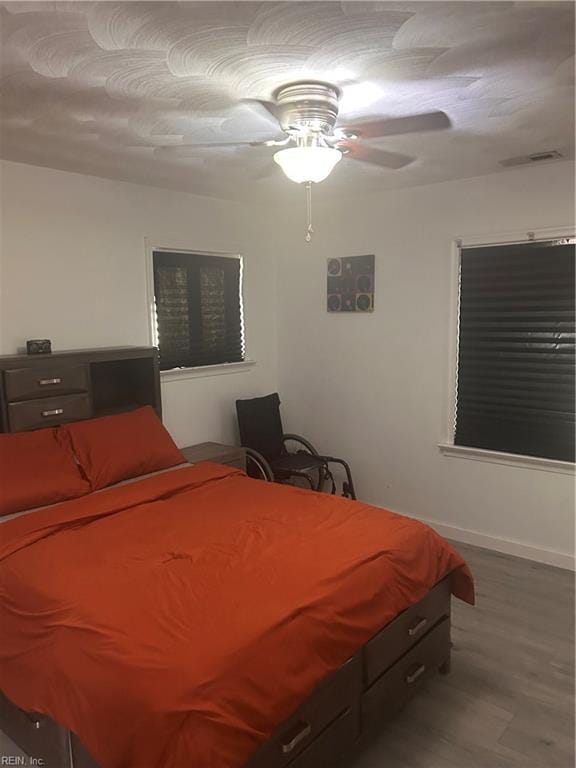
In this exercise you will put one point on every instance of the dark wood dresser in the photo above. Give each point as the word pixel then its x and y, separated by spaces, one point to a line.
pixel 45 390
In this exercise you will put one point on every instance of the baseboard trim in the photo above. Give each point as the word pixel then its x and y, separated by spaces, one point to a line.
pixel 506 546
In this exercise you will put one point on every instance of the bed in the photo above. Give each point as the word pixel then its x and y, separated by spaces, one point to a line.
pixel 198 617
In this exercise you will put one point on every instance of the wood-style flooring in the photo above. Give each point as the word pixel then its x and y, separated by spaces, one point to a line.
pixel 509 700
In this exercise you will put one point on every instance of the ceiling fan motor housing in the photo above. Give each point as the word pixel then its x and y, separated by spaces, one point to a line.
pixel 308 106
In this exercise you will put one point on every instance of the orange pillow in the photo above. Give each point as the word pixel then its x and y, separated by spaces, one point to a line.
pixel 35 470
pixel 114 448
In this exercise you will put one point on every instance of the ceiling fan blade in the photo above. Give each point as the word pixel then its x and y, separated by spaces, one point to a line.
pixel 268 110
pixel 394 126
pixel 381 157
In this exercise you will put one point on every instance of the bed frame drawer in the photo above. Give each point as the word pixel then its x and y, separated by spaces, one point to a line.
pixel 396 687
pixel 337 695
pixel 35 414
pixel 32 383
pixel 45 741
pixel 405 631
pixel 329 747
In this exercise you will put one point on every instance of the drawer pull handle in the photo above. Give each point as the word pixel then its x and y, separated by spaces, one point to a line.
pixel 413 676
pixel 53 412
pixel 418 627
pixel 34 722
pixel 305 729
pixel 49 382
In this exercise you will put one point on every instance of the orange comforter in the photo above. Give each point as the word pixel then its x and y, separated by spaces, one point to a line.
pixel 176 621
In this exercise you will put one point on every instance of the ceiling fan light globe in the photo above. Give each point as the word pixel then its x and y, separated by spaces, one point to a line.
pixel 304 164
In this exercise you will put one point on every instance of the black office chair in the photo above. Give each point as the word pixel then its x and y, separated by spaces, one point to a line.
pixel 262 434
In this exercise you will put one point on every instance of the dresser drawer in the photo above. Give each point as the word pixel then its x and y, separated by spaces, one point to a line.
pixel 405 631
pixel 47 412
pixel 332 698
pixel 45 381
pixel 396 687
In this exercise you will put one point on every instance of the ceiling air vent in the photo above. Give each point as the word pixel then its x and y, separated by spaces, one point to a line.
pixel 537 157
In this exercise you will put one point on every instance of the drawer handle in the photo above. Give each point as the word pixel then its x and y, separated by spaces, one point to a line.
pixel 34 722
pixel 418 627
pixel 53 412
pixel 49 382
pixel 303 733
pixel 413 676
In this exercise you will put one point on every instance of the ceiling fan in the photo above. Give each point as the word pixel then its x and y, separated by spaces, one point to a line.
pixel 307 113
pixel 304 121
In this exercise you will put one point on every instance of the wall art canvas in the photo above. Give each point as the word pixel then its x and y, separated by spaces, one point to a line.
pixel 351 284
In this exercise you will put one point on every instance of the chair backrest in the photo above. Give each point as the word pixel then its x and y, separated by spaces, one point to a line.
pixel 260 425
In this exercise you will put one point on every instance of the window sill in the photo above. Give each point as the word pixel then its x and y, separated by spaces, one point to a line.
pixel 508 459
pixel 178 374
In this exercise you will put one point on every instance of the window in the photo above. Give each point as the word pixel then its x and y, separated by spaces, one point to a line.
pixel 198 309
pixel 515 377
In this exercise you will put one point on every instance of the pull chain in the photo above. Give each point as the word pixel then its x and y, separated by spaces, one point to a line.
pixel 310 229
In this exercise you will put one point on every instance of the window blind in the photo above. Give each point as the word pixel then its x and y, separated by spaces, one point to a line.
pixel 515 390
pixel 198 309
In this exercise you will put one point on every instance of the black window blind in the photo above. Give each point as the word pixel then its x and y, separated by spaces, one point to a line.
pixel 515 389
pixel 198 309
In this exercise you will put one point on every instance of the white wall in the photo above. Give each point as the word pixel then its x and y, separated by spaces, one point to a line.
pixel 72 269
pixel 374 387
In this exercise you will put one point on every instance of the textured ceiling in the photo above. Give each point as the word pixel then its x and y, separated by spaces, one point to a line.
pixel 124 90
